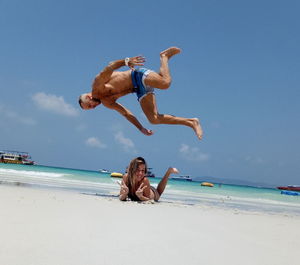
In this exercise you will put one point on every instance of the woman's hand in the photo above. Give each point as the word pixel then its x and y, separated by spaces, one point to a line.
pixel 124 188
pixel 123 191
pixel 140 191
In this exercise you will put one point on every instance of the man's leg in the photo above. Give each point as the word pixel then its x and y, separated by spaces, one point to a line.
pixel 162 80
pixel 148 104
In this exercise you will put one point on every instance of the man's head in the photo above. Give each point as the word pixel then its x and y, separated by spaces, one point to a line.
pixel 86 101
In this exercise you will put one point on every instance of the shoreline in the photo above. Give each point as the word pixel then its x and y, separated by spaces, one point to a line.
pixel 229 203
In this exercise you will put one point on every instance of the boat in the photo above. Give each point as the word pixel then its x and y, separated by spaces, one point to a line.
pixel 186 178
pixel 287 192
pixel 15 157
pixel 289 187
pixel 116 175
pixel 104 171
pixel 149 173
pixel 207 184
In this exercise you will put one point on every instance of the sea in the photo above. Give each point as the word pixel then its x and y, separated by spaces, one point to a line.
pixel 94 183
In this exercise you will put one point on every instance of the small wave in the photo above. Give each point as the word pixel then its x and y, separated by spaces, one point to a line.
pixel 43 178
pixel 231 199
pixel 13 172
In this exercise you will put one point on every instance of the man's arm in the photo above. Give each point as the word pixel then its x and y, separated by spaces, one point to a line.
pixel 106 73
pixel 128 115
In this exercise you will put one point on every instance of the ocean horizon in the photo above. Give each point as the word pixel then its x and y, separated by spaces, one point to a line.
pixel 239 197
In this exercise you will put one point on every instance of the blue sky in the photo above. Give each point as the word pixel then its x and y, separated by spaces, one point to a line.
pixel 238 73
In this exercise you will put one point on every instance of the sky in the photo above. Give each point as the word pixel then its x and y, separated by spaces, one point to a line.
pixel 238 72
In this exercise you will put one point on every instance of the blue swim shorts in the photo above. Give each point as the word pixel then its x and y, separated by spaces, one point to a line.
pixel 138 76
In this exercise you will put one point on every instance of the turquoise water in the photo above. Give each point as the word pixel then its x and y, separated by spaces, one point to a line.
pixel 183 192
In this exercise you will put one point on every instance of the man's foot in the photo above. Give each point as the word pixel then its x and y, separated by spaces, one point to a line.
pixel 197 128
pixel 170 52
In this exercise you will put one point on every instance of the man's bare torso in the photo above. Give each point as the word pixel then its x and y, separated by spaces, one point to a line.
pixel 119 85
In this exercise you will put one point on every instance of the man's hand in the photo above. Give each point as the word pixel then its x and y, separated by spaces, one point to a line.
pixel 146 131
pixel 137 60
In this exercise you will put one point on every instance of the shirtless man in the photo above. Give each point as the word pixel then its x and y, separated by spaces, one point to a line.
pixel 110 85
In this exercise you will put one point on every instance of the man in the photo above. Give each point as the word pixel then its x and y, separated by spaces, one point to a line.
pixel 110 85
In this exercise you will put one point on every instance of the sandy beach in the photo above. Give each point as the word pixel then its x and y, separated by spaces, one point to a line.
pixel 47 227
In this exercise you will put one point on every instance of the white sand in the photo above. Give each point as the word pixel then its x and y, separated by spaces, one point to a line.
pixel 41 227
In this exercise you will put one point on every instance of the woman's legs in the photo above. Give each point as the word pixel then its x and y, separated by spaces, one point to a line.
pixel 163 183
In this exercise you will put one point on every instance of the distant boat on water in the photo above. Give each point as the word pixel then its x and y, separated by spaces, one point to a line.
pixel 186 178
pixel 288 192
pixel 207 184
pixel 120 175
pixel 104 171
pixel 290 187
pixel 116 175
pixel 149 173
pixel 15 157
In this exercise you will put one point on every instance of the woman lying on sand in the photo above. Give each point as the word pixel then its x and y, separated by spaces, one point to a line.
pixel 136 186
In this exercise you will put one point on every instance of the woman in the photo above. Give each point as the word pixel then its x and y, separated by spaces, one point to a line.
pixel 136 186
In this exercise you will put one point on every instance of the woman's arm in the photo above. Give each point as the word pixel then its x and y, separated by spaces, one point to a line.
pixel 124 190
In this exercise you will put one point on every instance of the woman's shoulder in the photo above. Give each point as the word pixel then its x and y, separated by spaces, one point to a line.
pixel 146 181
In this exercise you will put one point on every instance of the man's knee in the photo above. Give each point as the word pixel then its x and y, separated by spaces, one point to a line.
pixel 154 119
pixel 165 83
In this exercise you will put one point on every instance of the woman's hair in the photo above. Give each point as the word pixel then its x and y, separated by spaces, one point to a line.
pixel 132 168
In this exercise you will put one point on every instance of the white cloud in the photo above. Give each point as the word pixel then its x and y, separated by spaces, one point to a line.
pixel 54 104
pixel 126 143
pixel 16 117
pixel 95 142
pixel 193 153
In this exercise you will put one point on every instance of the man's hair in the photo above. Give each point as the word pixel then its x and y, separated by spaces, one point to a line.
pixel 80 101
